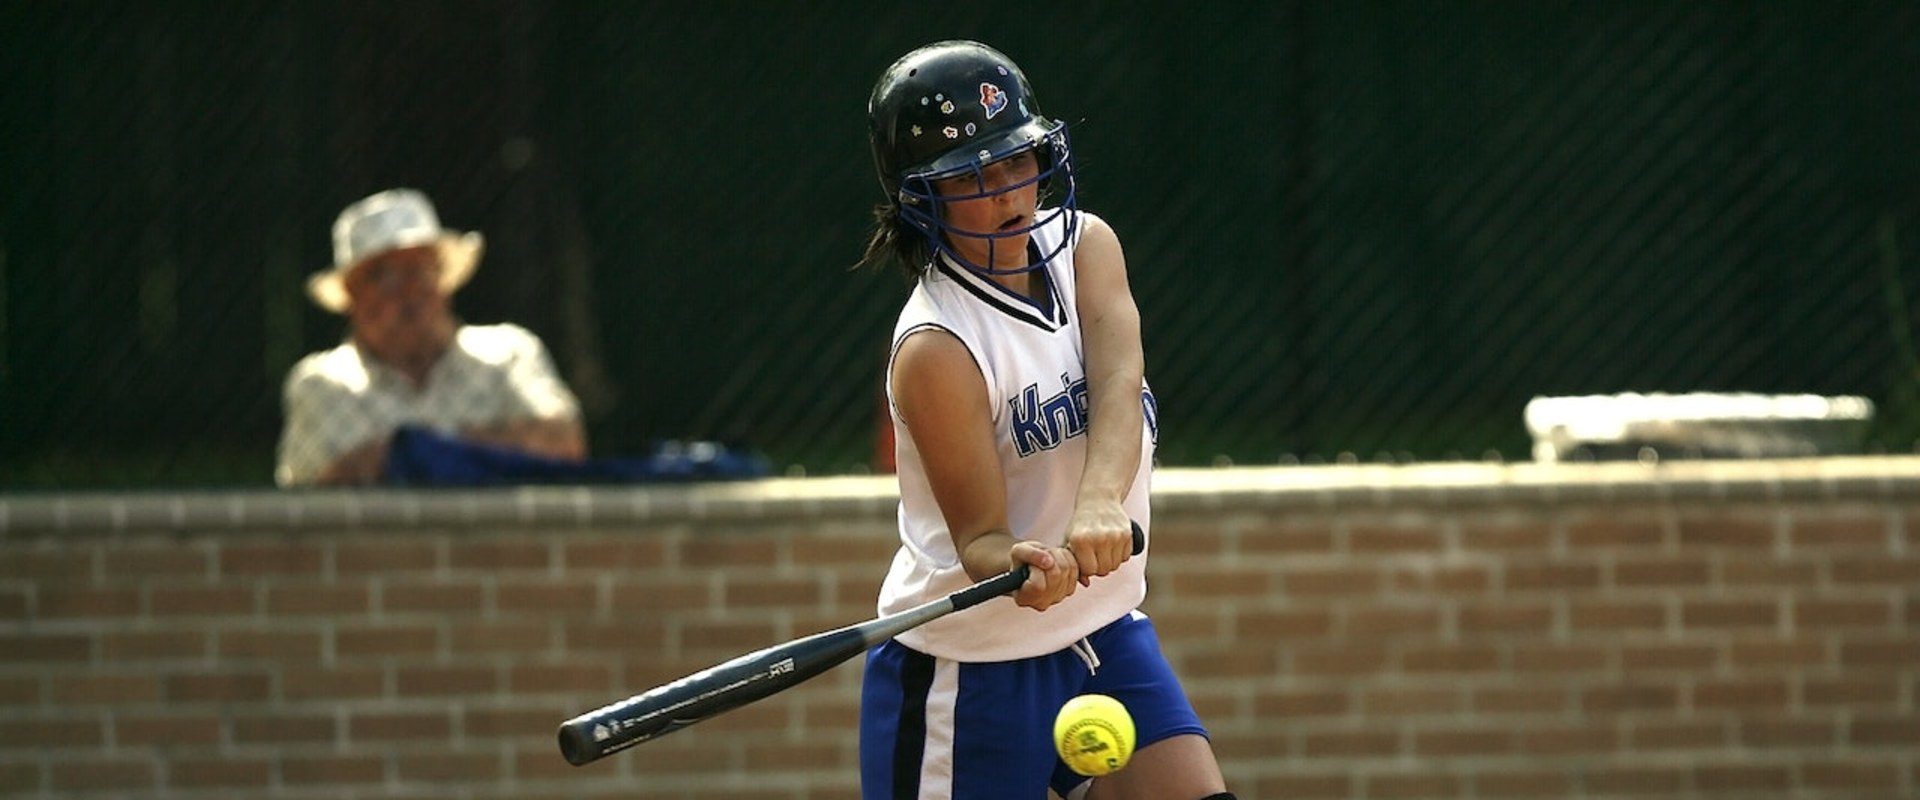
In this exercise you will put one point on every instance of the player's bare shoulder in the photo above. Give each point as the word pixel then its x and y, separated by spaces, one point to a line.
pixel 1098 255
pixel 1095 230
pixel 932 363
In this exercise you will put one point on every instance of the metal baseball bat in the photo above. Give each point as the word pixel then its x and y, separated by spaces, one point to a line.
pixel 759 674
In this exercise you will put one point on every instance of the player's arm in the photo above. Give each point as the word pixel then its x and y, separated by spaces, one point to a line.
pixel 941 397
pixel 1100 533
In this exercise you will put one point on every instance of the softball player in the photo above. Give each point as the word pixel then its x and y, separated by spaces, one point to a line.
pixel 1023 430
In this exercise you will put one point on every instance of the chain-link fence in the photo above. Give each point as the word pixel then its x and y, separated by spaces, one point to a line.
pixel 1368 228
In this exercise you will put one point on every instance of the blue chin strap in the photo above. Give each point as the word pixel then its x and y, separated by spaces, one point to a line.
pixel 922 207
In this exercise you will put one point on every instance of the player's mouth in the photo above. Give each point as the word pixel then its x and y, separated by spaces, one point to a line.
pixel 1016 221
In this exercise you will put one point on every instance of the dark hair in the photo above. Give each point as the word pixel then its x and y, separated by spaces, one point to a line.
pixel 896 242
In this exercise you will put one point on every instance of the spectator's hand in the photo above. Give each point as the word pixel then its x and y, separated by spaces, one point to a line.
pixel 362 466
pixel 560 438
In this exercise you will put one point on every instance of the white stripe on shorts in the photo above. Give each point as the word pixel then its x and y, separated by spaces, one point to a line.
pixel 936 765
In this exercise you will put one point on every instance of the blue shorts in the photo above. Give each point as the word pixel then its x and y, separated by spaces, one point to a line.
pixel 936 728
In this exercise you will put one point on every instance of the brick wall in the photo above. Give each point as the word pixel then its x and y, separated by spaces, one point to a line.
pixel 1730 630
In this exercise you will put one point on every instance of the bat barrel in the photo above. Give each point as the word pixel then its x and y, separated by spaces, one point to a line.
pixel 596 733
pixel 576 743
pixel 665 709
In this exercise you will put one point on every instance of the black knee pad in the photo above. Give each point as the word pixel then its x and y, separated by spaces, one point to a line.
pixel 1220 796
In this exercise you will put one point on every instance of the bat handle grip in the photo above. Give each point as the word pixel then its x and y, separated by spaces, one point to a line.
pixel 1009 582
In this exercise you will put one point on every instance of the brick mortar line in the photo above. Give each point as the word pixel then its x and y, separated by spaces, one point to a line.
pixel 1345 487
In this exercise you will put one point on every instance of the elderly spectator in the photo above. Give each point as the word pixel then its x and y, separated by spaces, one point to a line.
pixel 408 360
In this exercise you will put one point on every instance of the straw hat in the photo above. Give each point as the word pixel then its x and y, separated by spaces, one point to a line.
pixel 392 220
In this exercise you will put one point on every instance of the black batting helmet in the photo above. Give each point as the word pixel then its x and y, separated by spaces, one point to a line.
pixel 946 110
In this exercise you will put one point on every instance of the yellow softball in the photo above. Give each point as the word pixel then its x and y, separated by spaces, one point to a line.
pixel 1094 734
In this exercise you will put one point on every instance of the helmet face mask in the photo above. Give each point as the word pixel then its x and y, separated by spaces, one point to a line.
pixel 924 207
pixel 948 110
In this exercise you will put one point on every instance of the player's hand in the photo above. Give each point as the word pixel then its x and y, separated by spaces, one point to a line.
pixel 1051 576
pixel 1101 538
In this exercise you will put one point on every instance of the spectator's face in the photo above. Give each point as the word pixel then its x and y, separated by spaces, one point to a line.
pixel 397 306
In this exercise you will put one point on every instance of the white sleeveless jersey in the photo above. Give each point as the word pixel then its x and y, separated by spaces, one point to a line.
pixel 1035 369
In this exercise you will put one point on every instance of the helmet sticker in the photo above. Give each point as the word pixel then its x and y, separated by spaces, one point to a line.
pixel 916 130
pixel 994 100
pixel 970 129
pixel 946 107
pixel 951 132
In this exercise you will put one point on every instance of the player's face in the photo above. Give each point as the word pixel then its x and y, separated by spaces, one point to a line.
pixel 397 305
pixel 1002 198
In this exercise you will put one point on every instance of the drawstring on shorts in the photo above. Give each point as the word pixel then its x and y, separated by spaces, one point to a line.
pixel 1084 649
